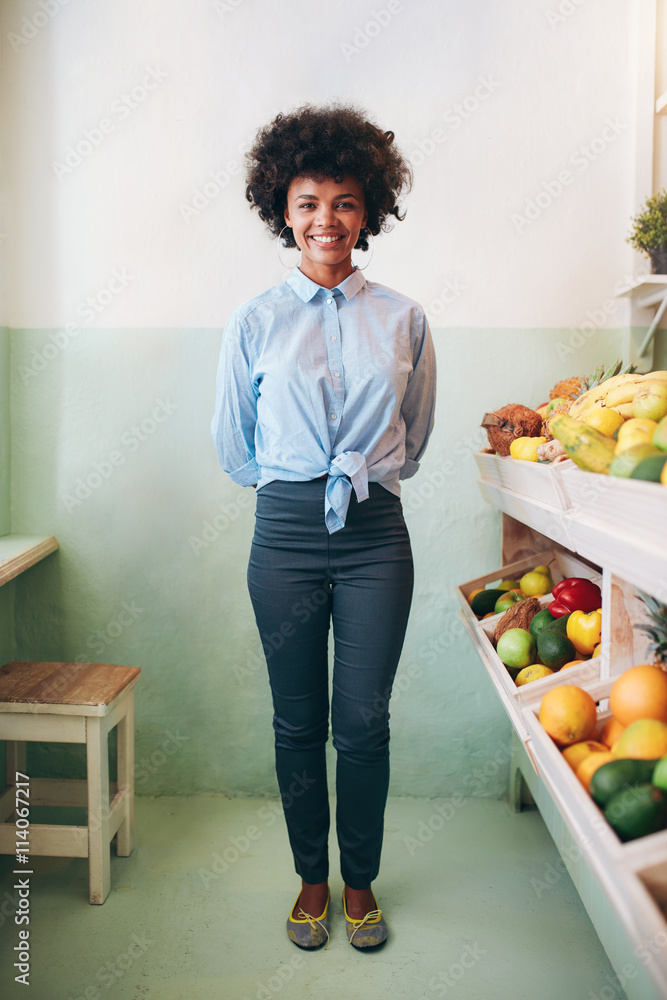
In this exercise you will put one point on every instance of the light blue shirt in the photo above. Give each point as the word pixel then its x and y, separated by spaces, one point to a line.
pixel 315 381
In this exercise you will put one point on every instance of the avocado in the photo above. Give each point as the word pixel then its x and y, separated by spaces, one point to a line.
pixel 624 465
pixel 613 777
pixel 637 811
pixel 554 649
pixel 649 469
pixel 540 621
pixel 485 601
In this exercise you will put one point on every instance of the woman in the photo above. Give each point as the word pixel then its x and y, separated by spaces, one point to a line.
pixel 325 399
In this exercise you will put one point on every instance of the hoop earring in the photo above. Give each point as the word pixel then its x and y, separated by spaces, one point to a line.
pixel 372 248
pixel 290 266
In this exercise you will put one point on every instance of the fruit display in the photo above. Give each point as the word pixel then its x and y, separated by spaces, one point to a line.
pixel 623 766
pixel 533 641
pixel 613 422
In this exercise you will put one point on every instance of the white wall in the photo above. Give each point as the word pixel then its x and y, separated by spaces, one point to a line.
pixel 223 68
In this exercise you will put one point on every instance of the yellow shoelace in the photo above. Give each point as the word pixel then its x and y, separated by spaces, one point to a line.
pixel 373 916
pixel 314 923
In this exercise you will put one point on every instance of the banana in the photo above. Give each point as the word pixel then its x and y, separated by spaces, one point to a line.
pixel 625 393
pixel 625 409
pixel 598 395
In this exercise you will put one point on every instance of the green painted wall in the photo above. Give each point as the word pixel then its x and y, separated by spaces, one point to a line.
pixel 6 592
pixel 111 452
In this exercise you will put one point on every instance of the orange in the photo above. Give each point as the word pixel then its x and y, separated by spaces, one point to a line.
pixel 644 739
pixel 611 731
pixel 590 764
pixel 597 651
pixel 572 663
pixel 568 714
pixel 578 751
pixel 473 593
pixel 639 693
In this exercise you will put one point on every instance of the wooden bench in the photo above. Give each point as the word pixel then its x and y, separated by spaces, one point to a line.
pixel 71 703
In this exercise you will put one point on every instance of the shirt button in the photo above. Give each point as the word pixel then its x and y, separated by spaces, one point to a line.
pixel 334 338
pixel 333 416
pixel 336 374
pixel 329 302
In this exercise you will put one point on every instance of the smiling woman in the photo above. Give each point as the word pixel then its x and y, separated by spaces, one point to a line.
pixel 326 391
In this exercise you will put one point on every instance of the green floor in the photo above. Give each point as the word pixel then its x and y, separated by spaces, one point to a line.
pixel 471 911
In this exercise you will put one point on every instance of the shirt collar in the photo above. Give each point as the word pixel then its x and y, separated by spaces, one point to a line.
pixel 307 289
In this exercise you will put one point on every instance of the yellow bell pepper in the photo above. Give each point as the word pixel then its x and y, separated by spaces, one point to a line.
pixel 526 448
pixel 584 630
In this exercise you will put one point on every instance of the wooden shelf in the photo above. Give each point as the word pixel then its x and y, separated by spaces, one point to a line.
pixel 19 552
pixel 648 290
pixel 618 525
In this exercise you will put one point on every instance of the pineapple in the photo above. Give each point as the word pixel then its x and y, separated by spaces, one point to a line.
pixel 570 389
pixel 657 630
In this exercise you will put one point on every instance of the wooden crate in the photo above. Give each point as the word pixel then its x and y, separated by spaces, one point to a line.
pixel 563 564
pixel 532 479
pixel 637 509
pixel 633 874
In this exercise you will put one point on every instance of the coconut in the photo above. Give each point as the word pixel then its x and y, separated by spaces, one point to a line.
pixel 520 615
pixel 510 422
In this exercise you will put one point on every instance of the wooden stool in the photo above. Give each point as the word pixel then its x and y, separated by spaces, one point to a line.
pixel 71 703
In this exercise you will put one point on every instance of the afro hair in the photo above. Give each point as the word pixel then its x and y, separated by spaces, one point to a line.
pixel 326 142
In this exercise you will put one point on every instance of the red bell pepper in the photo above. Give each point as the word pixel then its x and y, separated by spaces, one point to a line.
pixel 575 594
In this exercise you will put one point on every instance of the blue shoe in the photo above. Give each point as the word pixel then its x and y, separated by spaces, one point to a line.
pixel 369 932
pixel 307 931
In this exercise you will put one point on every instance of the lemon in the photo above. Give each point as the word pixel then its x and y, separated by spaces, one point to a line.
pixel 534 672
pixel 637 424
pixel 526 448
pixel 635 440
pixel 604 419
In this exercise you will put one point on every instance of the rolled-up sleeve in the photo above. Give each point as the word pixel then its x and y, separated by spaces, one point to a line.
pixel 418 406
pixel 235 417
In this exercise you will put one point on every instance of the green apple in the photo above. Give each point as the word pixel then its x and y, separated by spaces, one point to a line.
pixel 508 585
pixel 659 778
pixel 507 600
pixel 517 648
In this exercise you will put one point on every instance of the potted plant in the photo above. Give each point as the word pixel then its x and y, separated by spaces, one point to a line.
pixel 649 231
